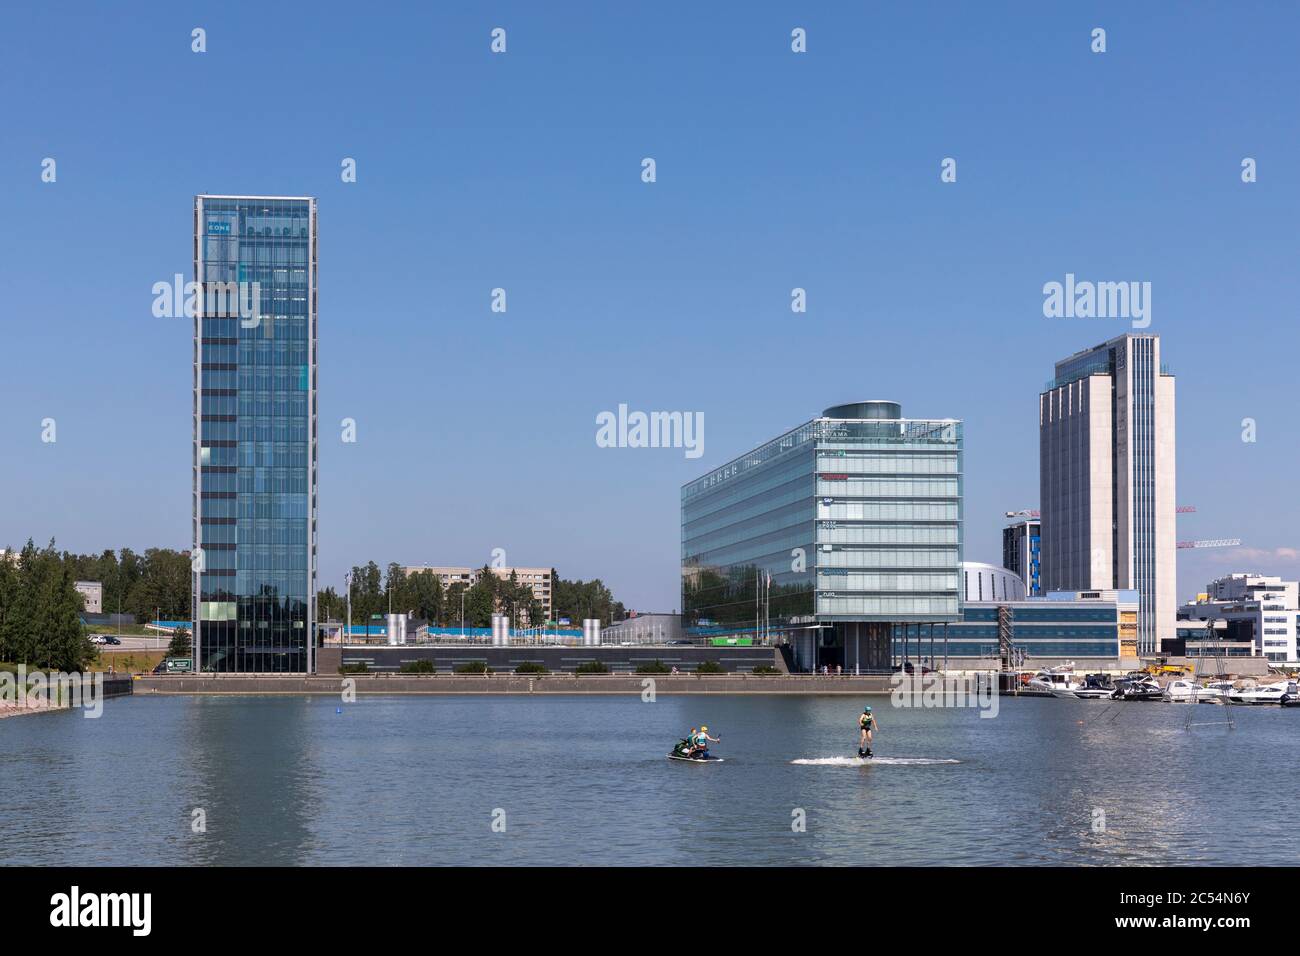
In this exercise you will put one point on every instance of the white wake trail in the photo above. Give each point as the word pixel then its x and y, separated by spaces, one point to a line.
pixel 865 761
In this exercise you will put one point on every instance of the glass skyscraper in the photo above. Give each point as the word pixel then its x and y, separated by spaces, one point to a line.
pixel 255 434
pixel 835 536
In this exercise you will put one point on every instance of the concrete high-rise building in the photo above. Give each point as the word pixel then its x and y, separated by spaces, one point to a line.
pixel 1106 477
pixel 255 433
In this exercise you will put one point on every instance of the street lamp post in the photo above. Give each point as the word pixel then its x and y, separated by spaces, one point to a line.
pixel 462 614
pixel 347 579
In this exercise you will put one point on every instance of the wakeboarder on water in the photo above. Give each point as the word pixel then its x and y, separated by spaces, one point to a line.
pixel 866 725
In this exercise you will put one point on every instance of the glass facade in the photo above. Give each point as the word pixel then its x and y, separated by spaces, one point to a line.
pixel 750 518
pixel 889 520
pixel 1068 630
pixel 255 433
pixel 1022 548
pixel 841 523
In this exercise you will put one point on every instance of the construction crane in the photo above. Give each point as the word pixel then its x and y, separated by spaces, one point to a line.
pixel 1211 543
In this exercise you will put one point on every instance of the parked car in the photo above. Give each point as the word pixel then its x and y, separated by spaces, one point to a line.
pixel 910 668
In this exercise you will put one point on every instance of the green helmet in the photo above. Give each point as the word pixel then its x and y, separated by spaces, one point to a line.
pixel 866 710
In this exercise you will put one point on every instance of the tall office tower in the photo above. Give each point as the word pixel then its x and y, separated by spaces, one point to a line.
pixel 255 433
pixel 1022 552
pixel 1106 477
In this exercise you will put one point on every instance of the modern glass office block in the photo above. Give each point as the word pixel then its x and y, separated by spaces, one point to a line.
pixel 255 438
pixel 832 533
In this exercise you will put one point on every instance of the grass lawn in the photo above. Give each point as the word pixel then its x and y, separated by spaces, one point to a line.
pixel 129 661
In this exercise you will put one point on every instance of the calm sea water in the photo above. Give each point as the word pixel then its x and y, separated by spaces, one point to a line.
pixel 416 781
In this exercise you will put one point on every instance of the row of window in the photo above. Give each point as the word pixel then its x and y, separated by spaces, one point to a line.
pixel 282 585
pixel 286 506
pixel 887 464
pixel 886 605
pixel 256 352
pixel 260 454
pixel 889 534
pixel 257 557
pixel 888 558
pixel 263 429
pixel 886 582
pixel 271 326
pixel 889 511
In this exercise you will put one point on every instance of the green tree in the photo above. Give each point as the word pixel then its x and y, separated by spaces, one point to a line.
pixel 583 599
pixel 423 592
pixel 480 600
pixel 181 645
pixel 40 612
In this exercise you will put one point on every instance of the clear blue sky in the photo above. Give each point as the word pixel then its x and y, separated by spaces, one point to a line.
pixel 775 170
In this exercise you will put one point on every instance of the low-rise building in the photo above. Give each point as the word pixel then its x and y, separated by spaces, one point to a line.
pixel 93 592
pixel 1097 630
pixel 1256 608
pixel 540 580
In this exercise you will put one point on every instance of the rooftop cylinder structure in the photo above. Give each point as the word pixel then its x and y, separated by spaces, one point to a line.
pixel 500 630
pixel 396 629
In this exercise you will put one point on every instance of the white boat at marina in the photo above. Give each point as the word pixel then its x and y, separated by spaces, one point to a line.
pixel 1269 694
pixel 1186 692
pixel 1057 681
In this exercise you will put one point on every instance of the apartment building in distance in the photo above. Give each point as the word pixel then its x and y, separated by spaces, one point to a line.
pixel 93 592
pixel 540 580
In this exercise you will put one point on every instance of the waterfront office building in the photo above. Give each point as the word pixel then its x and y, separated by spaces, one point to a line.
pixel 836 536
pixel 1106 475
pixel 1096 630
pixel 1256 609
pixel 255 433
pixel 1022 553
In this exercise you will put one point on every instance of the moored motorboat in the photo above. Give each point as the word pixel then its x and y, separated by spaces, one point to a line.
pixel 1057 681
pixel 1188 692
pixel 1095 687
pixel 1138 687
pixel 1269 694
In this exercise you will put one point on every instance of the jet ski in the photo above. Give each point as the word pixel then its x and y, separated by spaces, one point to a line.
pixel 683 752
